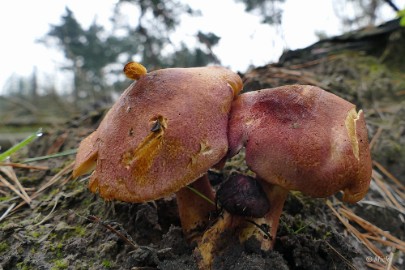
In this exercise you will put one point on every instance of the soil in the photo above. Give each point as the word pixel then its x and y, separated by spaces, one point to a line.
pixel 67 227
pixel 71 228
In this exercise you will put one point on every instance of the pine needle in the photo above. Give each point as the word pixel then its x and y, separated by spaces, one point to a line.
pixel 355 232
pixel 371 227
pixel 51 212
pixel 341 256
pixel 7 211
pixel 51 182
pixel 386 242
pixel 390 259
pixel 377 235
pixel 14 189
pixel 375 137
pixel 388 174
pixel 11 175
pixel 24 166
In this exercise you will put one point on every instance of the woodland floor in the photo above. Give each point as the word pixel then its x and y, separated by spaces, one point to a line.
pixel 67 227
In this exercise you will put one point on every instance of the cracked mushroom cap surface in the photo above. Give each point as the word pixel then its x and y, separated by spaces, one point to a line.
pixel 166 130
pixel 303 138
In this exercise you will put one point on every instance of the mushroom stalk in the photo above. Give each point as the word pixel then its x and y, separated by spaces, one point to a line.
pixel 262 229
pixel 265 229
pixel 194 210
pixel 213 239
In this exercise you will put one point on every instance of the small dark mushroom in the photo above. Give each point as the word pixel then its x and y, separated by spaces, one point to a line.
pixel 243 195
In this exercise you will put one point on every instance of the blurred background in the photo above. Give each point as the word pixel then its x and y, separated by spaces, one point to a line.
pixel 61 58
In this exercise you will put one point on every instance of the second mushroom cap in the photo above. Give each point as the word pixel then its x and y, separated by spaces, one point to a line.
pixel 303 138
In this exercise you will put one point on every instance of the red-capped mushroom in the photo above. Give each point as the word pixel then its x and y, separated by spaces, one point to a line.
pixel 164 133
pixel 296 137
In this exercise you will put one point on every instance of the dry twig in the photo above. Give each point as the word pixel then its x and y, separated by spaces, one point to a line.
pixel 24 166
pixel 9 172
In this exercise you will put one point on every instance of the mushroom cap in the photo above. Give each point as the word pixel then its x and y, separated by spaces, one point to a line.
pixel 164 132
pixel 303 138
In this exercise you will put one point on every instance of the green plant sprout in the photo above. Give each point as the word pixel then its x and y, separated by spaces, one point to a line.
pixel 20 145
pixel 201 195
pixel 61 154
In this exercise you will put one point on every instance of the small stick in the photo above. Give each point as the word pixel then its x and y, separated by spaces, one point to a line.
pixel 24 166
pixel 97 220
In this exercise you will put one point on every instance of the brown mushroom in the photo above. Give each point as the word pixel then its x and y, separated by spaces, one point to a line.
pixel 242 195
pixel 296 137
pixel 164 133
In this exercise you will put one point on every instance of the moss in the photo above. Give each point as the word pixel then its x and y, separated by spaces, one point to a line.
pixel 20 250
pixel 57 249
pixel 327 235
pixel 294 225
pixel 80 231
pixel 3 246
pixel 359 78
pixel 106 263
pixel 22 266
pixel 33 250
pixel 60 264
pixel 35 234
pixel 5 198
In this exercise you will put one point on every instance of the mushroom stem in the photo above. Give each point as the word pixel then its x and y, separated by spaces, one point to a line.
pixel 194 210
pixel 265 228
pixel 215 238
pixel 262 229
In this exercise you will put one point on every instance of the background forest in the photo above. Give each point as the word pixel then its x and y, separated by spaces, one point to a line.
pixel 94 56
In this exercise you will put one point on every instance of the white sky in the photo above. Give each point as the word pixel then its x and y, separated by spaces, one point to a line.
pixel 244 41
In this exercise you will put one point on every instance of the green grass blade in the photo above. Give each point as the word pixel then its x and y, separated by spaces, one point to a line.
pixel 20 145
pixel 61 154
pixel 201 195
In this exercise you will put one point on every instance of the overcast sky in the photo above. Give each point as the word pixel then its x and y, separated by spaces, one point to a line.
pixel 244 41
